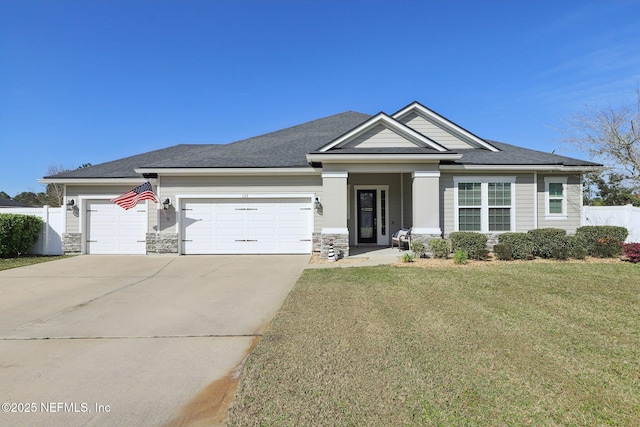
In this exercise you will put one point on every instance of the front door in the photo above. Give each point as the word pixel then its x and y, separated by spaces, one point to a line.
pixel 367 216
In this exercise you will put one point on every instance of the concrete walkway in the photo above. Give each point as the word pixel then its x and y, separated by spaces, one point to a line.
pixel 131 340
pixel 365 257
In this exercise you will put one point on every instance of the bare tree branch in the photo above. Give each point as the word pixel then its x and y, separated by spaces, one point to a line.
pixel 610 135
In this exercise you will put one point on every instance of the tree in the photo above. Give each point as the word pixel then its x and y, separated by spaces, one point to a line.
pixel 609 189
pixel 610 135
pixel 4 195
pixel 54 192
pixel 30 198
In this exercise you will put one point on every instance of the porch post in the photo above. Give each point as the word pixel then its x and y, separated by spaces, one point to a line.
pixel 334 213
pixel 426 204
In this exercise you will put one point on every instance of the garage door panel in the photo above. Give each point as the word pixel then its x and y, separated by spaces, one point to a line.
pixel 254 226
pixel 113 230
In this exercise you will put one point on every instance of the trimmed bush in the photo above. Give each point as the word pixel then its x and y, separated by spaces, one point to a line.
pixel 18 233
pixel 460 257
pixel 481 254
pixel 418 249
pixel 577 248
pixel 468 241
pixel 547 241
pixel 632 251
pixel 604 241
pixel 503 251
pixel 520 244
pixel 440 248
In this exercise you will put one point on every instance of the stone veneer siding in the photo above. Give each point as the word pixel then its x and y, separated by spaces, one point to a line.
pixel 317 242
pixel 162 243
pixel 424 238
pixel 71 243
pixel 340 245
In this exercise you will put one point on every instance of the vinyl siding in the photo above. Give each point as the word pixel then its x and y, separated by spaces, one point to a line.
pixel 524 200
pixel 85 191
pixel 379 136
pixel 442 136
pixel 574 204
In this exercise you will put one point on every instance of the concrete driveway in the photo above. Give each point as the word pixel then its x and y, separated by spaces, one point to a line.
pixel 130 340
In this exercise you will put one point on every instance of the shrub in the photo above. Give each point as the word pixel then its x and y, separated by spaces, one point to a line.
pixel 576 247
pixel 598 238
pixel 468 241
pixel 481 254
pixel 632 251
pixel 407 257
pixel 418 249
pixel 546 241
pixel 440 248
pixel 18 233
pixel 520 245
pixel 606 247
pixel 460 257
pixel 503 251
pixel 561 252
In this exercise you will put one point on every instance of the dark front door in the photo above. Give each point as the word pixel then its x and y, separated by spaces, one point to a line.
pixel 367 221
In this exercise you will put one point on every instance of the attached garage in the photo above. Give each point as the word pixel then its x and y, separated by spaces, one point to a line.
pixel 247 226
pixel 113 230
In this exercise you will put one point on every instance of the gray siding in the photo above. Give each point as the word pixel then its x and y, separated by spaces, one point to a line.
pixel 438 134
pixel 379 136
pixel 77 191
pixel 574 205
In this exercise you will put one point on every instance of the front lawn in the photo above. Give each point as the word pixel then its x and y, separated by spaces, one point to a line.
pixel 7 263
pixel 510 344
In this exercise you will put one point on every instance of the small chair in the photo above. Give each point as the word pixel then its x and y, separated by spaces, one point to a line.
pixel 402 238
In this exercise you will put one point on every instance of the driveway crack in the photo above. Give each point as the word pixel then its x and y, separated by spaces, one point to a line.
pixel 85 303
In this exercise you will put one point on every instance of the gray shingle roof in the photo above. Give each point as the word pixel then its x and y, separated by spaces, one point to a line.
pixel 514 155
pixel 289 147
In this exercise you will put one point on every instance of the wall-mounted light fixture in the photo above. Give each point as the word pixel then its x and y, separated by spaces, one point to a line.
pixel 317 204
pixel 70 204
pixel 166 203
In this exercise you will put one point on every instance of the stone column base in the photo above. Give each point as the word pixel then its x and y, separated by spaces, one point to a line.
pixel 71 243
pixel 424 239
pixel 340 245
pixel 162 243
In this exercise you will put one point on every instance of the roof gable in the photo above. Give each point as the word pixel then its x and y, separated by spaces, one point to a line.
pixel 382 131
pixel 440 129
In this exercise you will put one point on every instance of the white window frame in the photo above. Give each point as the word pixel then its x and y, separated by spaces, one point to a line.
pixel 555 180
pixel 484 192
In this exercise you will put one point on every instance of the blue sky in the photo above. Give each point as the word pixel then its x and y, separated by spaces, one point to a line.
pixel 93 81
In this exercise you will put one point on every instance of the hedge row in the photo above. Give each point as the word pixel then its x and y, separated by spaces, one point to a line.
pixel 18 233
pixel 596 241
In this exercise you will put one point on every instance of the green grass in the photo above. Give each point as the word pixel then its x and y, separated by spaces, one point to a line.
pixel 7 263
pixel 514 344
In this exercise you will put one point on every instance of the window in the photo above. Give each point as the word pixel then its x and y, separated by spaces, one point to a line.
pixel 470 206
pixel 555 198
pixel 484 204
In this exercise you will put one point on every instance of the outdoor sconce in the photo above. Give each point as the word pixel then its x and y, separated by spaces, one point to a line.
pixel 166 203
pixel 317 204
pixel 70 204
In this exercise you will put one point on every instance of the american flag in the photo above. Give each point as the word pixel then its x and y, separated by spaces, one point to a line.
pixel 131 198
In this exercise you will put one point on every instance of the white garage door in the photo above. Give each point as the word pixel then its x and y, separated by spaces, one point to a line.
pixel 113 230
pixel 247 226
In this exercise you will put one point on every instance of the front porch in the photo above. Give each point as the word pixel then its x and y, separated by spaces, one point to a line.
pixel 363 209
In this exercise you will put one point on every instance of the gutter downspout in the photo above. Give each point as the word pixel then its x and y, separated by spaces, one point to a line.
pixel 535 199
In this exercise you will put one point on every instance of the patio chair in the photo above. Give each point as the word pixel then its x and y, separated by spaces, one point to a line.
pixel 401 238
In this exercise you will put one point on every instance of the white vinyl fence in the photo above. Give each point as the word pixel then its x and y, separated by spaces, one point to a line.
pixel 623 216
pixel 50 240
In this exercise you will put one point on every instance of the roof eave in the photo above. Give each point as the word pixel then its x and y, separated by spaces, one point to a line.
pixel 306 170
pixel 531 167
pixel 379 158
